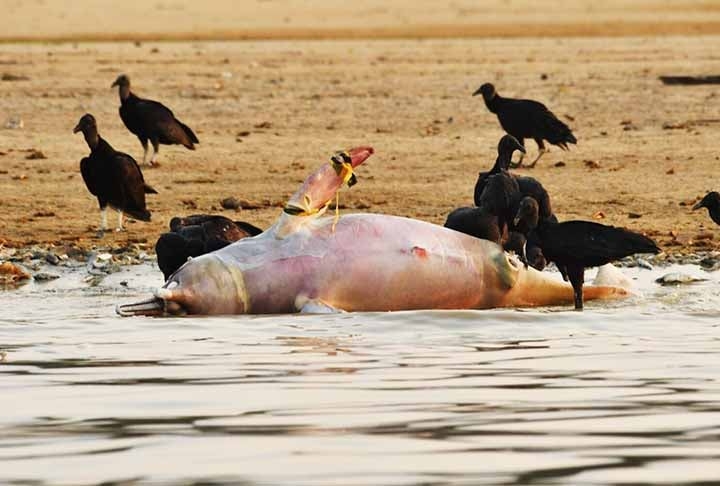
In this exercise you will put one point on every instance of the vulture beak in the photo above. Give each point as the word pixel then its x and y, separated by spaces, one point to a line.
pixel 77 128
pixel 477 92
pixel 698 205
pixel 115 83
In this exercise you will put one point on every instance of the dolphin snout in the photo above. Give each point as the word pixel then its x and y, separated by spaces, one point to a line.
pixel 204 285
pixel 149 307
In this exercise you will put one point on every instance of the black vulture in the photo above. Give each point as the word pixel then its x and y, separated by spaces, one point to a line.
pixel 524 222
pixel 535 257
pixel 477 222
pixel 215 225
pixel 522 238
pixel 501 197
pixel 506 146
pixel 527 119
pixel 197 235
pixel 150 120
pixel 491 218
pixel 528 215
pixel 113 177
pixel 576 245
pixel 528 186
pixel 517 243
pixel 711 201
pixel 531 187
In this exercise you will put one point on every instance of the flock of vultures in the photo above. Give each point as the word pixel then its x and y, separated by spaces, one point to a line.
pixel 513 211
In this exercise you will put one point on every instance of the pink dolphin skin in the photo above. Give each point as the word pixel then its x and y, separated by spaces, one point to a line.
pixel 364 262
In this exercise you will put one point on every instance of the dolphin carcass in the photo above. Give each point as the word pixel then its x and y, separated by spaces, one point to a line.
pixel 357 262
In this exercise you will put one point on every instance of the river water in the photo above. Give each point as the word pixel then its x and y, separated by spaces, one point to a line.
pixel 623 393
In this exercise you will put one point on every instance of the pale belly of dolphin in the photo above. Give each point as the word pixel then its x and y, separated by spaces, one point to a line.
pixel 369 262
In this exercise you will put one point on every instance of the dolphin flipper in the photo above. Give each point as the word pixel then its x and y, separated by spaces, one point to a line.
pixel 316 306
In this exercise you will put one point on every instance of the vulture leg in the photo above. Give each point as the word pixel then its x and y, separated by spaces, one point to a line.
pixel 103 222
pixel 515 165
pixel 144 143
pixel 120 221
pixel 542 150
pixel 156 149
pixel 577 278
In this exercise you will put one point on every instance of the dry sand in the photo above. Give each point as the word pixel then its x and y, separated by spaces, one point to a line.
pixel 300 100
pixel 314 19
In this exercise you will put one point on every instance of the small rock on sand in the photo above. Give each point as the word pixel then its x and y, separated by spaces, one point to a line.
pixel 12 275
pixel 52 258
pixel 35 154
pixel 14 123
pixel 710 263
pixel 642 263
pixel 231 203
pixel 13 77
pixel 45 276
pixel 677 278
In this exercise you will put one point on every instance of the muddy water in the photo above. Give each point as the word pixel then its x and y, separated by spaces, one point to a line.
pixel 624 393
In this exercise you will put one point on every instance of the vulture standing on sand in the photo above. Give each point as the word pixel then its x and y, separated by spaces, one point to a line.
pixel 711 201
pixel 150 120
pixel 576 245
pixel 112 176
pixel 197 235
pixel 527 119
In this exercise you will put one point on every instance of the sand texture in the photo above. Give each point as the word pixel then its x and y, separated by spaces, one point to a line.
pixel 332 19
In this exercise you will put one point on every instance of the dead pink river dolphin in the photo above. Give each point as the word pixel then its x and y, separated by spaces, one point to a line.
pixel 308 261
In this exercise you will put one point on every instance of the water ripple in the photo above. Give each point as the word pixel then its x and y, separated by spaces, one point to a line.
pixel 621 394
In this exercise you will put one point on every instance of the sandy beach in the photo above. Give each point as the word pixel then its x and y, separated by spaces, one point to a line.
pixel 268 112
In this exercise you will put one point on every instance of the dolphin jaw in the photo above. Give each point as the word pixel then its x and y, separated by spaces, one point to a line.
pixel 153 306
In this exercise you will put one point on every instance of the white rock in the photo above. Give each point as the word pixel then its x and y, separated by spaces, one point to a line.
pixel 677 278
pixel 14 122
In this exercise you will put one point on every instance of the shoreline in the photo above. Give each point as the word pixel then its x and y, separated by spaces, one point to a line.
pixel 40 264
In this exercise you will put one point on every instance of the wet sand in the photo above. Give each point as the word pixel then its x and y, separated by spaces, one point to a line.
pixel 268 112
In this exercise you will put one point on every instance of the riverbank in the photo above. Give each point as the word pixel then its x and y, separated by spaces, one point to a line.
pixel 268 113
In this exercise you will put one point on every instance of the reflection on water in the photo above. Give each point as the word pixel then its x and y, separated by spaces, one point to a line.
pixel 626 393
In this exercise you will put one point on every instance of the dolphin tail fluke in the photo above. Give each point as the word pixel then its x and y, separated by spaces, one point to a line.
pixel 605 292
pixel 533 288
